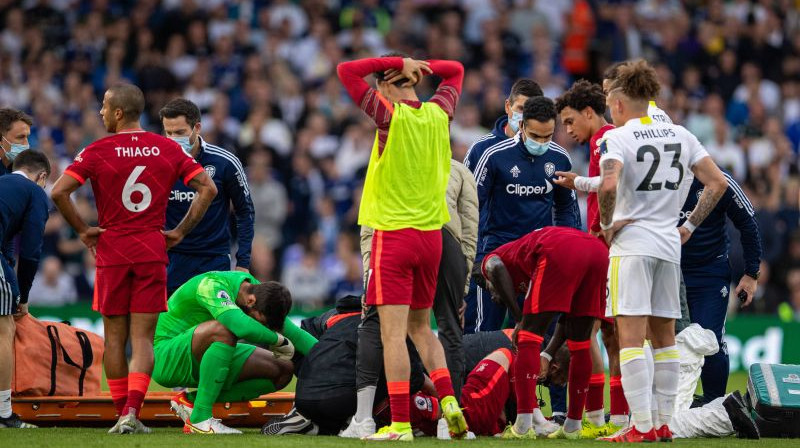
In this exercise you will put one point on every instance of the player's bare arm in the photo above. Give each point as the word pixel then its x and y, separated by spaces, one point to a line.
pixel 63 188
pixel 607 195
pixel 715 184
pixel 501 286
pixel 206 191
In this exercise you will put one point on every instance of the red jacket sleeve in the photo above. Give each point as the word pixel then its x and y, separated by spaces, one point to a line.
pixel 352 74
pixel 448 92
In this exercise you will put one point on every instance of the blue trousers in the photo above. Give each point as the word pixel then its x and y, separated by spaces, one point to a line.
pixel 182 267
pixel 482 313
pixel 707 292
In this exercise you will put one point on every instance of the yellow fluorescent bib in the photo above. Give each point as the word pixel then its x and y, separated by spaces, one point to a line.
pixel 405 186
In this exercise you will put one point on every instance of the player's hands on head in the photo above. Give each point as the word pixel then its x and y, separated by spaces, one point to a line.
pixel 748 285
pixel 565 179
pixel 89 237
pixel 22 309
pixel 173 237
pixel 413 70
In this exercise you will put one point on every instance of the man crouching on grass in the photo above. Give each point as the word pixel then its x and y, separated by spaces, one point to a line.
pixel 196 345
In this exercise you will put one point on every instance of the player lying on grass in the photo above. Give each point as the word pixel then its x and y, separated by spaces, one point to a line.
pixel 196 344
pixel 722 417
pixel 325 394
pixel 563 270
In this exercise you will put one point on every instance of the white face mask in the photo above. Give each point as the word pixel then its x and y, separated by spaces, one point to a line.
pixel 516 118
pixel 185 142
pixel 15 150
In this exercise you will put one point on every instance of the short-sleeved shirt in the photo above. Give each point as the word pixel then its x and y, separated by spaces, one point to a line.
pixel 657 160
pixel 203 298
pixel 132 174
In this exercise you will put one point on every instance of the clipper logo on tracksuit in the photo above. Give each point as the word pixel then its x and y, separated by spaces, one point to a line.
pixel 182 196
pixel 527 190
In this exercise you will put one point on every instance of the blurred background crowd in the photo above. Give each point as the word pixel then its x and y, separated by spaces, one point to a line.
pixel 264 75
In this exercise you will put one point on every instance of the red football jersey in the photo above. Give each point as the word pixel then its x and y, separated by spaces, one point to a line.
pixel 592 210
pixel 521 256
pixel 132 174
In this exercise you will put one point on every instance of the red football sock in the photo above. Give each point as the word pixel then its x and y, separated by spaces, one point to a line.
pixel 137 388
pixel 594 399
pixel 580 369
pixel 399 401
pixel 442 382
pixel 619 406
pixel 526 370
pixel 119 392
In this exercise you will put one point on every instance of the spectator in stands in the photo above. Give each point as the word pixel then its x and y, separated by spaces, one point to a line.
pixel 53 286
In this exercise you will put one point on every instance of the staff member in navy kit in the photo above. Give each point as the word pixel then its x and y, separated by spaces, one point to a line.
pixel 707 272
pixel 24 212
pixel 208 246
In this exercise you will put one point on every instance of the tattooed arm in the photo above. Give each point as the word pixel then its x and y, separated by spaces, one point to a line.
pixel 714 186
pixel 607 193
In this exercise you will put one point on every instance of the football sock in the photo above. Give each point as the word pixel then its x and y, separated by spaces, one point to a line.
pixel 246 390
pixel 214 367
pixel 619 405
pixel 580 370
pixel 5 403
pixel 648 356
pixel 119 392
pixel 399 401
pixel 636 386
pixel 667 372
pixel 526 373
pixel 365 398
pixel 442 382
pixel 594 398
pixel 137 388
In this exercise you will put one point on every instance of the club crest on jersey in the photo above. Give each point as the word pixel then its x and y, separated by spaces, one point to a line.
pixel 603 146
pixel 223 295
pixel 699 193
pixel 515 171
pixel 211 170
pixel 724 291
pixel 549 169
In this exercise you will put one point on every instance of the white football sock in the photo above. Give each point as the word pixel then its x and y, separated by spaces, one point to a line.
pixel 633 367
pixel 5 403
pixel 365 397
pixel 667 372
pixel 523 423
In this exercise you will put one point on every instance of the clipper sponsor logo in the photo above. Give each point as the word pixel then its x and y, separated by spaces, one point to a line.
pixel 182 196
pixel 527 190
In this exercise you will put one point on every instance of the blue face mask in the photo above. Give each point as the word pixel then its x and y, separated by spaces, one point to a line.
pixel 516 118
pixel 185 142
pixel 535 148
pixel 16 148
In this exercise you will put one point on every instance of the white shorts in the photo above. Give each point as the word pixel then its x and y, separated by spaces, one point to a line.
pixel 643 286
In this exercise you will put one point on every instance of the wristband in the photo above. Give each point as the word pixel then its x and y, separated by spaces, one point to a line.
pixel 546 356
pixel 689 226
pixel 606 226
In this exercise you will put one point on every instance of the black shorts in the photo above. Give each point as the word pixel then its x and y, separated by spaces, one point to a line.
pixel 9 289
pixel 331 413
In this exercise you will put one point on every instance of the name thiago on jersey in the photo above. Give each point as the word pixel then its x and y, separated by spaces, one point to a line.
pixel 135 151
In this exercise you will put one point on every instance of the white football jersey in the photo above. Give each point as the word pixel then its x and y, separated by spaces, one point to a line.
pixel 657 159
pixel 657 114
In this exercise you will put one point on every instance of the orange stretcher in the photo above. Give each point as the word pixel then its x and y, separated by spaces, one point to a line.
pixel 99 410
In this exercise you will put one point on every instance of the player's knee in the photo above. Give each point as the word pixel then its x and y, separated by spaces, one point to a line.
pixel 214 331
pixel 286 371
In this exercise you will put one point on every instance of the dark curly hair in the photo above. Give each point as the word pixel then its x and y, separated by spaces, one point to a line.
pixel 539 108
pixel 581 95
pixel 274 301
pixel 638 81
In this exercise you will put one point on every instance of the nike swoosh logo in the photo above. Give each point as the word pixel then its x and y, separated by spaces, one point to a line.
pixel 200 431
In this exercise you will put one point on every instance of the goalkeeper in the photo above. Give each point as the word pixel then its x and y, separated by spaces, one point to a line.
pixel 196 344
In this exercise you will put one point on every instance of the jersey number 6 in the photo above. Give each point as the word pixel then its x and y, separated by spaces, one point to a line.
pixel 131 186
pixel 648 184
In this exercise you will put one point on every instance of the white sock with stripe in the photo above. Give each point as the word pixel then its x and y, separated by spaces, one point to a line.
pixel 5 403
pixel 665 381
pixel 648 356
pixel 636 385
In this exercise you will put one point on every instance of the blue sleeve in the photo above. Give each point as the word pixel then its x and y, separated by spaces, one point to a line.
pixel 30 247
pixel 566 212
pixel 472 157
pixel 741 213
pixel 237 189
pixel 485 179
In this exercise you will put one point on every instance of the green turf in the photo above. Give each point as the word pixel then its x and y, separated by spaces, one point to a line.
pixel 172 438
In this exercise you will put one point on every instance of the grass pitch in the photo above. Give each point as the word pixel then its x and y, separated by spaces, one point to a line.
pixel 173 438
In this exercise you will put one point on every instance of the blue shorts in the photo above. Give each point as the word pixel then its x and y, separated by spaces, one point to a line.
pixel 182 267
pixel 9 289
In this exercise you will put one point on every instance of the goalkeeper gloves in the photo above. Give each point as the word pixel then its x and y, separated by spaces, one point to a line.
pixel 283 349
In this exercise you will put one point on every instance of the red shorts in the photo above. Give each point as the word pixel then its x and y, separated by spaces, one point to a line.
pixel 570 282
pixel 403 267
pixel 484 397
pixel 130 288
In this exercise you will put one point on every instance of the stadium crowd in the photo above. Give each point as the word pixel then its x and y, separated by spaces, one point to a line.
pixel 264 76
